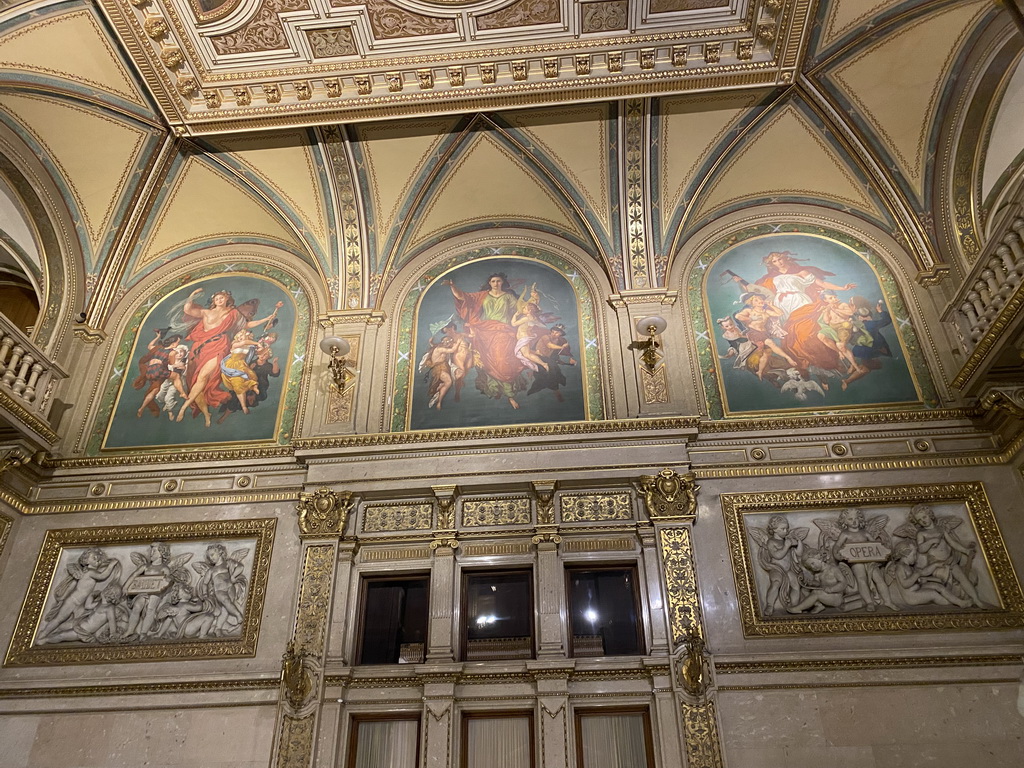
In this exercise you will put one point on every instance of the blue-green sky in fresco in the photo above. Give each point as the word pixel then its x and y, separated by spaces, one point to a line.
pixel 475 408
pixel 743 391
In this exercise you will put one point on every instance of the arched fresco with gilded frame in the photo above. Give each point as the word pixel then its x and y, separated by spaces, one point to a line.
pixel 553 377
pixel 799 317
pixel 247 395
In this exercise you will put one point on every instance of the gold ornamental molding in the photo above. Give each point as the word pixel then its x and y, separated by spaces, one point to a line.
pixel 136 689
pixel 827 421
pixel 563 429
pixel 132 503
pixel 848 665
pixel 178 457
pixel 26 417
pixel 332 63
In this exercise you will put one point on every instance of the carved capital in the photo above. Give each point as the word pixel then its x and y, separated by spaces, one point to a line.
pixel 547 533
pixel 669 496
pixel 324 512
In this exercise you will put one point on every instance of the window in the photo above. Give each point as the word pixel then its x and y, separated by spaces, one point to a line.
pixel 497 610
pixel 603 611
pixel 394 620
pixel 614 739
pixel 376 742
pixel 497 740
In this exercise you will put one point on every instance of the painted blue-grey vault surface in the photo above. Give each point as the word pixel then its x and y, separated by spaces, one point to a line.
pixel 497 342
pixel 799 321
pixel 209 365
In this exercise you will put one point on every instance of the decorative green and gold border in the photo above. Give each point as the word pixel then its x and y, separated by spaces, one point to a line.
pixel 708 358
pixel 972 495
pixel 406 327
pixel 290 397
pixel 23 653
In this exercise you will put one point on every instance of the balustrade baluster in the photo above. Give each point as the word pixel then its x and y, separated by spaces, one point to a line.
pixel 30 386
pixel 6 342
pixel 1014 241
pixel 968 312
pixel 22 380
pixel 986 299
pixel 1006 255
pixel 12 364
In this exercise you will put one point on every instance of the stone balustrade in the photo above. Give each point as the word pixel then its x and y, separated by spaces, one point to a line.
pixel 27 376
pixel 996 277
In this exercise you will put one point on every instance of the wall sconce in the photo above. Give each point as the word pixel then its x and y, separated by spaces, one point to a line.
pixel 336 347
pixel 649 326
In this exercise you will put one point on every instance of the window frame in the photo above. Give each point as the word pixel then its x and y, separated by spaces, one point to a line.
pixel 638 603
pixel 466 717
pixel 463 627
pixel 364 581
pixel 580 712
pixel 375 717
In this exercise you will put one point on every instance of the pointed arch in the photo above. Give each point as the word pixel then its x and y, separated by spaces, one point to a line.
pixel 397 248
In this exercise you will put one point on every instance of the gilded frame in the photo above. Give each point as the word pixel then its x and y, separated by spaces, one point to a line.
pixel 23 652
pixel 741 510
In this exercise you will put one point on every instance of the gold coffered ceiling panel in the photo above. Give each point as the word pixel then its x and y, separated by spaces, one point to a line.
pixel 95 178
pixel 576 139
pixel 488 183
pixel 396 155
pixel 896 83
pixel 298 62
pixel 786 157
pixel 204 204
pixel 72 46
pixel 691 127
pixel 284 161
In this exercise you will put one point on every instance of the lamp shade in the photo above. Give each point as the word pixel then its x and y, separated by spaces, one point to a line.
pixel 644 324
pixel 334 345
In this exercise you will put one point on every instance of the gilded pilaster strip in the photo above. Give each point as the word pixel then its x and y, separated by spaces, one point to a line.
pixel 339 401
pixel 303 661
pixel 655 385
pixel 700 735
pixel 681 585
pixel 693 677
pixel 350 277
pixel 314 597
pixel 296 740
pixel 636 227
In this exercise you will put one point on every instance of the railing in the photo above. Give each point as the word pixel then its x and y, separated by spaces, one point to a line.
pixel 993 281
pixel 27 376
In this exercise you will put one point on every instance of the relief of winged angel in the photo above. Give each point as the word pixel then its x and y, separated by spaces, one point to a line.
pixel 779 552
pixel 863 545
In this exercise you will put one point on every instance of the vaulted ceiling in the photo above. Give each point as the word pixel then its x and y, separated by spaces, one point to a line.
pixel 356 134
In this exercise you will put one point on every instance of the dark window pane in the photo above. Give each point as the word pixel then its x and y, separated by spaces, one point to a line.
pixel 498 615
pixel 603 607
pixel 394 620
